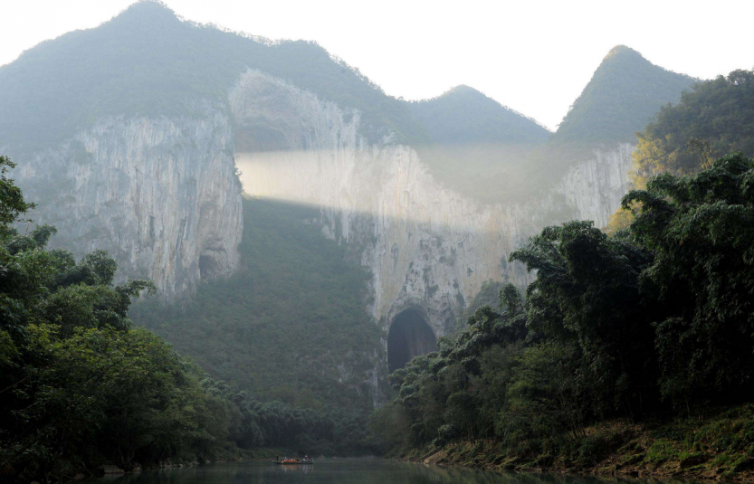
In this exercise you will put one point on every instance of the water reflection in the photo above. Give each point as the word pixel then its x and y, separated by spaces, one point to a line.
pixel 347 471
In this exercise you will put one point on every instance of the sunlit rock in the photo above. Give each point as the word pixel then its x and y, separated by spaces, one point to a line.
pixel 159 194
pixel 428 248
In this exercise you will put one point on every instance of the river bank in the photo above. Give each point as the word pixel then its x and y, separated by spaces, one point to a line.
pixel 713 447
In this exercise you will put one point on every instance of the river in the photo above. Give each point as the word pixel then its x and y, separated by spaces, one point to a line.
pixel 335 471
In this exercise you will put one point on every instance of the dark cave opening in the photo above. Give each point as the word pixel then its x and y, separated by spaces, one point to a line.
pixel 208 267
pixel 409 336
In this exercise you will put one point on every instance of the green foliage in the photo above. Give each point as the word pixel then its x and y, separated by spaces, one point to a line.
pixel 289 326
pixel 488 295
pixel 106 395
pixel 78 387
pixel 623 95
pixel 700 229
pixel 654 322
pixel 587 294
pixel 714 118
pixel 12 203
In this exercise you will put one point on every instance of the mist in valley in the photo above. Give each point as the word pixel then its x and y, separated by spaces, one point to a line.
pixel 218 247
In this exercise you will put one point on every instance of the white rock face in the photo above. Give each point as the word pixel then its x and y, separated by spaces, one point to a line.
pixel 595 187
pixel 427 247
pixel 159 194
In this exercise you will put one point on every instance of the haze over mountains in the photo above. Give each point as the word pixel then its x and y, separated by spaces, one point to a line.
pixel 146 61
pixel 129 137
pixel 318 268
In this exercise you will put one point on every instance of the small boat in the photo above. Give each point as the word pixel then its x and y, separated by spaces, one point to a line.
pixel 294 462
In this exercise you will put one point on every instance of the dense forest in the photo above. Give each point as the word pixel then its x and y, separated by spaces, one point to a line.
pixel 654 322
pixel 464 115
pixel 290 325
pixel 81 386
pixel 631 352
pixel 713 118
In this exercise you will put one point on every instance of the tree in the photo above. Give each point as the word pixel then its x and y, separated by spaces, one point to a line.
pixel 587 294
pixel 700 229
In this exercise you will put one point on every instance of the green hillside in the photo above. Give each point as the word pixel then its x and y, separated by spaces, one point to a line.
pixel 716 117
pixel 623 95
pixel 465 115
pixel 291 325
pixel 146 61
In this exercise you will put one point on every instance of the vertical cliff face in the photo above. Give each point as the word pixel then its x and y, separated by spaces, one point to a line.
pixel 159 194
pixel 595 186
pixel 429 249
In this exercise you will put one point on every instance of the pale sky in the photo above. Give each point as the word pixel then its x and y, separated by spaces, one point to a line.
pixel 533 56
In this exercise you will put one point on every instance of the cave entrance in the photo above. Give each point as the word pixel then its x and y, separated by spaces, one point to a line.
pixel 409 336
pixel 208 267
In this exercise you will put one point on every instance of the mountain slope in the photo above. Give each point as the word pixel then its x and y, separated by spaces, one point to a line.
pixel 146 61
pixel 478 147
pixel 290 325
pixel 465 115
pixel 623 95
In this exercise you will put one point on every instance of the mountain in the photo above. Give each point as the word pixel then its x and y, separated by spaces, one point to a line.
pixel 289 325
pixel 148 62
pixel 477 147
pixel 465 115
pixel 625 92
pixel 716 116
pixel 132 136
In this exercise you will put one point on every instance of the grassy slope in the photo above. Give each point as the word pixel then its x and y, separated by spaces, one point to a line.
pixel 718 446
pixel 290 325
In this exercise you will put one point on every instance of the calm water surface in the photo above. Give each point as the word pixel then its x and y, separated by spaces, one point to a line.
pixel 335 471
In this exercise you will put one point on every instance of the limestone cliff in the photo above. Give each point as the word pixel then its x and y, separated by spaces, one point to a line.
pixel 159 194
pixel 427 247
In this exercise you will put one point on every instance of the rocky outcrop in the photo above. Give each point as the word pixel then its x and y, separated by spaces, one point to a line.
pixel 159 194
pixel 427 247
pixel 595 186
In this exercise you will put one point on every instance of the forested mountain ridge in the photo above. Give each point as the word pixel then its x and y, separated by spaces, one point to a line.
pixel 623 95
pixel 148 62
pixel 290 325
pixel 713 118
pixel 465 115
pixel 129 136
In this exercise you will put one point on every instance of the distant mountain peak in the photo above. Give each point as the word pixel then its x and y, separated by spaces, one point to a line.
pixel 623 95
pixel 463 114
pixel 146 12
pixel 143 6
pixel 619 50
pixel 467 92
pixel 461 88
